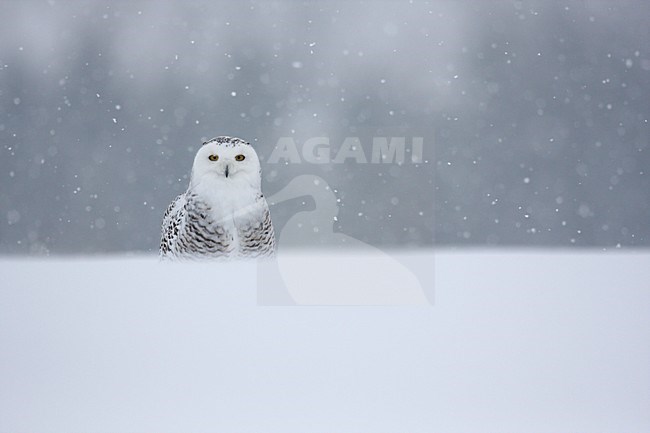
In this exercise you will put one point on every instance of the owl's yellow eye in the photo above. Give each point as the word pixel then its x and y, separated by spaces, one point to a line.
pixel 213 157
pixel 240 158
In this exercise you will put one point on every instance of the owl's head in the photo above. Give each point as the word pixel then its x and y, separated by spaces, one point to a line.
pixel 228 159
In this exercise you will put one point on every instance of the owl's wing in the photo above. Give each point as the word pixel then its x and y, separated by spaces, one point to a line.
pixel 256 236
pixel 171 225
pixel 201 235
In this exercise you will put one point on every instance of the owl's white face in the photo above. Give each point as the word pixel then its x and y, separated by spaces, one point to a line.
pixel 228 160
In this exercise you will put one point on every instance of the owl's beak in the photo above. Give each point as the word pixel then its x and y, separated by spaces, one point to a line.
pixel 227 170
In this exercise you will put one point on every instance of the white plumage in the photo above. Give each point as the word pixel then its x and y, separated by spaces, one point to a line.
pixel 223 213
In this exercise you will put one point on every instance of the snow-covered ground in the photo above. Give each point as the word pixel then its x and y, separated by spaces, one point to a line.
pixel 515 341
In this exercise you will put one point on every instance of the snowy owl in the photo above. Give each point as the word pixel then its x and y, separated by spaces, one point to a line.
pixel 223 213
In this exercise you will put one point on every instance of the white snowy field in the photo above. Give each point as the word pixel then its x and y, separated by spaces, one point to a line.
pixel 516 341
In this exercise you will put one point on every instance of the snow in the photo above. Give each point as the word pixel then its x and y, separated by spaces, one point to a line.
pixel 533 341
